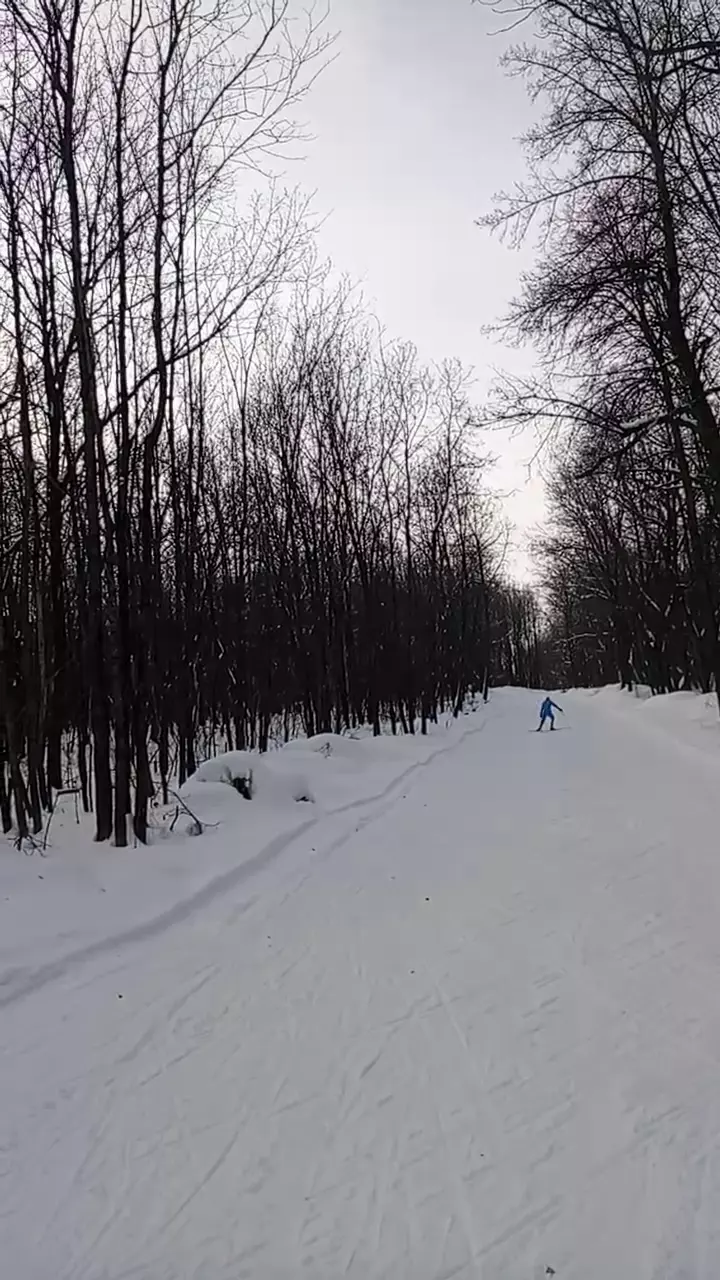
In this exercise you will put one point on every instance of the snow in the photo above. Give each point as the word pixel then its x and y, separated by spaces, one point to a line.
pixel 458 1016
pixel 691 718
pixel 265 777
pixel 82 896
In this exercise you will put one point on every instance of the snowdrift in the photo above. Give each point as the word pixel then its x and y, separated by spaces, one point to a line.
pixel 238 809
pixel 690 718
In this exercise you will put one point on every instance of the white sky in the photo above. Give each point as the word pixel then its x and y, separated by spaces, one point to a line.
pixel 415 128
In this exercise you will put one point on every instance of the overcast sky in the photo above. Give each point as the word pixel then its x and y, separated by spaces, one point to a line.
pixel 415 127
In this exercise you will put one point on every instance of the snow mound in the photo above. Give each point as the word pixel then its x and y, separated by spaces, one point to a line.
pixel 326 744
pixel 689 717
pixel 254 777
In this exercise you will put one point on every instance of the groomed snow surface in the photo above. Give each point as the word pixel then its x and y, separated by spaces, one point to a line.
pixel 422 1008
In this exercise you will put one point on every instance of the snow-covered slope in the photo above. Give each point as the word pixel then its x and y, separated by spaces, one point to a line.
pixel 468 1028
pixel 690 718
pixel 76 897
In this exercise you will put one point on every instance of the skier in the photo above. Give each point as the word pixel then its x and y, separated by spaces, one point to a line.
pixel 546 712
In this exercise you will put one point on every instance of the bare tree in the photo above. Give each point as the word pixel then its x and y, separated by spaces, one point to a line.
pixel 623 305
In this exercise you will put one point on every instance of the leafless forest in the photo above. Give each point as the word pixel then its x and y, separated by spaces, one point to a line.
pixel 624 307
pixel 228 508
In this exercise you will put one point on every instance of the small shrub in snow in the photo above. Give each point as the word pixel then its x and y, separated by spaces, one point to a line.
pixel 243 785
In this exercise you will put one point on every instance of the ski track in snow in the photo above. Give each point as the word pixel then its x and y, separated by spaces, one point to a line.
pixel 467 1029
pixel 21 981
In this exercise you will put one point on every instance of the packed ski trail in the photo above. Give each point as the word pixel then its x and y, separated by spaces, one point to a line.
pixel 470 1030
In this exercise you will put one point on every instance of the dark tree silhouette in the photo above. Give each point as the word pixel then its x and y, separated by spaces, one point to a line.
pixel 623 306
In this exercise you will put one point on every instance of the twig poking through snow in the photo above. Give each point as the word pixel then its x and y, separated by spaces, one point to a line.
pixel 199 826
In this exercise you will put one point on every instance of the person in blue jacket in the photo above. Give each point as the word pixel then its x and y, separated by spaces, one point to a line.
pixel 546 712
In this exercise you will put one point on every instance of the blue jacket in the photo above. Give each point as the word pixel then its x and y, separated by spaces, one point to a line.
pixel 547 707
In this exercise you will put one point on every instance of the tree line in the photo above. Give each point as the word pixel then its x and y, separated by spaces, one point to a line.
pixel 228 509
pixel 623 306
